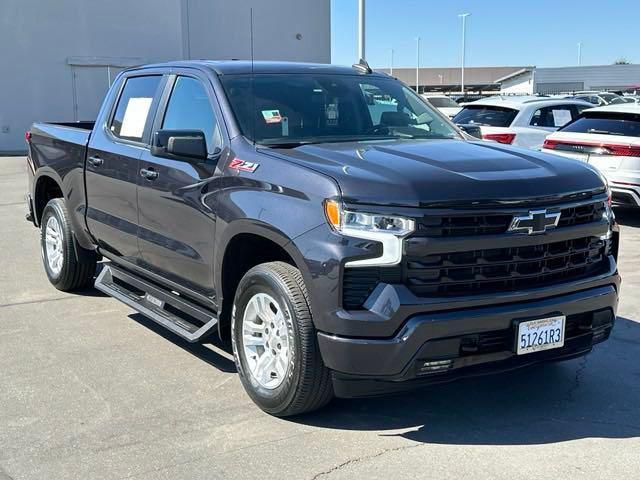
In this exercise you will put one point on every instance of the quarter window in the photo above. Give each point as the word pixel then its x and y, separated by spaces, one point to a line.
pixel 552 117
pixel 134 105
pixel 189 108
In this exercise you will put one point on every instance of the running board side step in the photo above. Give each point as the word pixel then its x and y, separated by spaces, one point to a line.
pixel 176 313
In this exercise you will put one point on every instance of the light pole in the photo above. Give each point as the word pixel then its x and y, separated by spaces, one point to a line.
pixel 579 54
pixel 418 64
pixel 361 49
pixel 464 31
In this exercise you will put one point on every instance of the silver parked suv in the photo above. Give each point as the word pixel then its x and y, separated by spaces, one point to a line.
pixel 523 121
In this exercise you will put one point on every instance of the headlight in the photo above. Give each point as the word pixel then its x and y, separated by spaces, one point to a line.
pixel 386 229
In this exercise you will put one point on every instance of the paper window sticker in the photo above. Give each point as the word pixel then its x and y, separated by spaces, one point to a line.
pixel 271 116
pixel 331 114
pixel 135 116
pixel 285 126
pixel 561 117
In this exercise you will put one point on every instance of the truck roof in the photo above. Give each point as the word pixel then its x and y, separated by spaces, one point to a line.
pixel 235 67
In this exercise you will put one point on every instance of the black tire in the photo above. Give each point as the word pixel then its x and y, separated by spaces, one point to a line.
pixel 78 264
pixel 307 385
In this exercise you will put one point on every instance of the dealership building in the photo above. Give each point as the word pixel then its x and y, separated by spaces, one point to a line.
pixel 572 79
pixel 60 57
pixel 521 80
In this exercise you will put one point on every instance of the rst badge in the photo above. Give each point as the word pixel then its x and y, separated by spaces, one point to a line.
pixel 536 222
pixel 237 164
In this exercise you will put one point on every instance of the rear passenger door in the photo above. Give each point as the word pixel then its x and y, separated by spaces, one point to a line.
pixel 119 137
pixel 176 210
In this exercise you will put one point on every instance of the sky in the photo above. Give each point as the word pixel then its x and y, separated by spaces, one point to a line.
pixel 543 33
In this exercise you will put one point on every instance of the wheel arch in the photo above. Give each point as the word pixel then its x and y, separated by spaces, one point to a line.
pixel 46 187
pixel 248 243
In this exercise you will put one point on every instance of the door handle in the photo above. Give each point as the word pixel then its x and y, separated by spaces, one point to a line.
pixel 95 161
pixel 149 173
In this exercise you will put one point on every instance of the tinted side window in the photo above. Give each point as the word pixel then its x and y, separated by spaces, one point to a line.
pixel 133 107
pixel 189 108
pixel 552 117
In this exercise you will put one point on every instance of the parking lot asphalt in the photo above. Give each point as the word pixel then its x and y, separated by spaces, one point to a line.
pixel 91 390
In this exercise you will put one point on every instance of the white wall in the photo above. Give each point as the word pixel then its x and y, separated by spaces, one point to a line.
pixel 44 44
pixel 520 85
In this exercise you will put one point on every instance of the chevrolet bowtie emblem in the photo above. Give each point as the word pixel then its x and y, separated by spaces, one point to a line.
pixel 536 222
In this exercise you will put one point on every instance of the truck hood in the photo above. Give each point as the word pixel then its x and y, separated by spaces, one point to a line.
pixel 419 173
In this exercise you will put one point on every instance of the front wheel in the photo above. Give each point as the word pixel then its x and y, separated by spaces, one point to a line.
pixel 68 266
pixel 274 342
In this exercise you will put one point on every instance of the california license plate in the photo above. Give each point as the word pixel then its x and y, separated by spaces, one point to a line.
pixel 541 334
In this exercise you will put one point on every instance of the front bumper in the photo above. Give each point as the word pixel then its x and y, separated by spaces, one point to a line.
pixel 625 193
pixel 437 347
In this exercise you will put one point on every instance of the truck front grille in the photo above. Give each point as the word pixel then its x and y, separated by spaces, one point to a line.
pixel 503 269
pixel 468 271
pixel 458 225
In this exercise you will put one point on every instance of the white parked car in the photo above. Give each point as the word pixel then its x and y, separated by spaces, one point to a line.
pixel 609 139
pixel 523 121
pixel 631 98
pixel 599 98
pixel 443 103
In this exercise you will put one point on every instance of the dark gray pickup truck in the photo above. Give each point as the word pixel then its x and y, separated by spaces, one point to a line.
pixel 346 236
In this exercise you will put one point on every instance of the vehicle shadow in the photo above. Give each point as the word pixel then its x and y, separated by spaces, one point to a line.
pixel 627 216
pixel 594 396
pixel 200 350
pixel 89 292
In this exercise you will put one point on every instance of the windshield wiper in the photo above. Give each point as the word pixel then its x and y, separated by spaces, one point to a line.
pixel 604 132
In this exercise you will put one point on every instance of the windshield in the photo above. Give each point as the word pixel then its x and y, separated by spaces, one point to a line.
pixel 442 102
pixel 486 115
pixel 606 123
pixel 288 110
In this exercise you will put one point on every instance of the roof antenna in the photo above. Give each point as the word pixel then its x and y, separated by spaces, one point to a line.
pixel 363 66
pixel 253 93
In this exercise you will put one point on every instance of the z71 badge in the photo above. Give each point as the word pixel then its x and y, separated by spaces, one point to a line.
pixel 237 164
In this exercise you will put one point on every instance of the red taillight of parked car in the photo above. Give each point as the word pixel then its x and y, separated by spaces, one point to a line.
pixel 623 150
pixel 506 138
pixel 596 148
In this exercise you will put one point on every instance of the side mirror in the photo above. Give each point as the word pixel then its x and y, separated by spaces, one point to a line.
pixel 179 144
pixel 473 130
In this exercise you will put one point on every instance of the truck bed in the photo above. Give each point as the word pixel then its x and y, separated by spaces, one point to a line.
pixel 66 144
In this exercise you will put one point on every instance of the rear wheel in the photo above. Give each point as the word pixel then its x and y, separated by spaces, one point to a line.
pixel 68 266
pixel 274 342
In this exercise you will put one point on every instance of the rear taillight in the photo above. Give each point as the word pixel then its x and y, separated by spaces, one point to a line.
pixel 621 150
pixel 27 136
pixel 506 138
pixel 596 148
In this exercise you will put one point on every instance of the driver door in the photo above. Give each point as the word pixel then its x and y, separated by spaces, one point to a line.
pixel 175 202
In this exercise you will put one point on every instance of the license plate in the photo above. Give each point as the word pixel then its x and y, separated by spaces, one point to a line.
pixel 541 334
